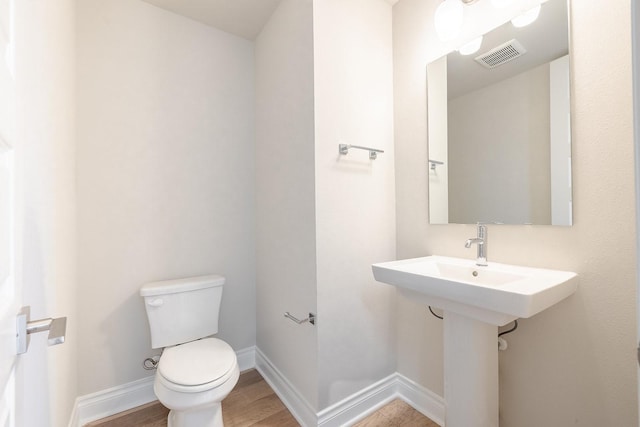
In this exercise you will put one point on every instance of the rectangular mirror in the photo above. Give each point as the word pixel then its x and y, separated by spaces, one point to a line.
pixel 499 125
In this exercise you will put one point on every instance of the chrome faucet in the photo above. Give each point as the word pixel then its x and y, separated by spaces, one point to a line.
pixel 481 241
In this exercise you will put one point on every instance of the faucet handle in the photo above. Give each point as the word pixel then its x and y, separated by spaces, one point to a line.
pixel 481 241
pixel 482 230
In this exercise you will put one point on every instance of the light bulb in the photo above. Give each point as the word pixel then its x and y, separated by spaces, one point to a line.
pixel 471 47
pixel 526 18
pixel 448 19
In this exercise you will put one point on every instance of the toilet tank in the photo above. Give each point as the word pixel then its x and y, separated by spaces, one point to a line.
pixel 182 310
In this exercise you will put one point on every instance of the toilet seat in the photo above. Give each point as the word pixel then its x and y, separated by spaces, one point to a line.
pixel 197 365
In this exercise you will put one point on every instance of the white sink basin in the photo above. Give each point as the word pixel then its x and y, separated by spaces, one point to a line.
pixel 476 300
pixel 495 294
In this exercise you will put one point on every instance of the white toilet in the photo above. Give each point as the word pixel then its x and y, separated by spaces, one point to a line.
pixel 194 372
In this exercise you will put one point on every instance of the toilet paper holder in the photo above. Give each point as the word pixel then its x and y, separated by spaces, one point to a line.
pixel 311 319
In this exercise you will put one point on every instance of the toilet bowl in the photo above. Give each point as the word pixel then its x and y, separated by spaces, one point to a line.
pixel 193 378
pixel 195 371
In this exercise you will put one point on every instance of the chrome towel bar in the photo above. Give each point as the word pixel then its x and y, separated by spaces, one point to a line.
pixel 373 152
pixel 435 163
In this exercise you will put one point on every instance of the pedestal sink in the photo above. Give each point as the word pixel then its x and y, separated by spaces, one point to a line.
pixel 476 300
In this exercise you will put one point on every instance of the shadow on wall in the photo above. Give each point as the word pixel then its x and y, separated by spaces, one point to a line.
pixel 378 298
pixel 128 316
pixel 559 371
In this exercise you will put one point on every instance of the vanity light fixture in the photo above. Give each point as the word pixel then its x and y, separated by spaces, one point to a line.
pixel 526 18
pixel 499 4
pixel 472 47
pixel 449 17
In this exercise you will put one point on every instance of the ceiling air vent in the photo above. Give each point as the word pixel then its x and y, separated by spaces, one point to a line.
pixel 502 54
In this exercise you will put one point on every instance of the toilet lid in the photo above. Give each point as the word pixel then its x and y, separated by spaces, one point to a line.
pixel 197 362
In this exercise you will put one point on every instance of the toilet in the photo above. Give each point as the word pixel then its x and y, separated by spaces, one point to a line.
pixel 195 371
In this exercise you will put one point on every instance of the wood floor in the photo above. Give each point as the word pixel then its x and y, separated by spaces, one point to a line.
pixel 253 403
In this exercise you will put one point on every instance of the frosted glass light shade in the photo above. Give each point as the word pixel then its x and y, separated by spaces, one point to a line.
pixel 526 18
pixel 499 4
pixel 448 19
pixel 471 47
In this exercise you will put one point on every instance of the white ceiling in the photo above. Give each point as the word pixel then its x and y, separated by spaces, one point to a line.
pixel 244 18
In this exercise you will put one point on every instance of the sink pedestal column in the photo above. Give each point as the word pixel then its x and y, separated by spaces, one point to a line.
pixel 470 372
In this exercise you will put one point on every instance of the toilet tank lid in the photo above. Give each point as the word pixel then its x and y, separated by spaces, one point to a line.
pixel 164 287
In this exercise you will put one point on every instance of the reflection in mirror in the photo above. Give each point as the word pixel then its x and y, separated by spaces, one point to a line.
pixel 499 132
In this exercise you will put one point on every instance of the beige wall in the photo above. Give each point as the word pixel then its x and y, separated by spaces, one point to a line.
pixel 140 175
pixel 165 176
pixel 355 197
pixel 285 195
pixel 46 202
pixel 574 363
pixel 324 76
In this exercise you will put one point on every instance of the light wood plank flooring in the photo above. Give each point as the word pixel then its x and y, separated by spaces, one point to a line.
pixel 396 414
pixel 253 403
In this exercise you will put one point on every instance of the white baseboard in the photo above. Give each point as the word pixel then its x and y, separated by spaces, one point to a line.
pixel 365 402
pixel 354 407
pixel 359 404
pixel 420 398
pixel 109 402
pixel 246 358
pixel 299 407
